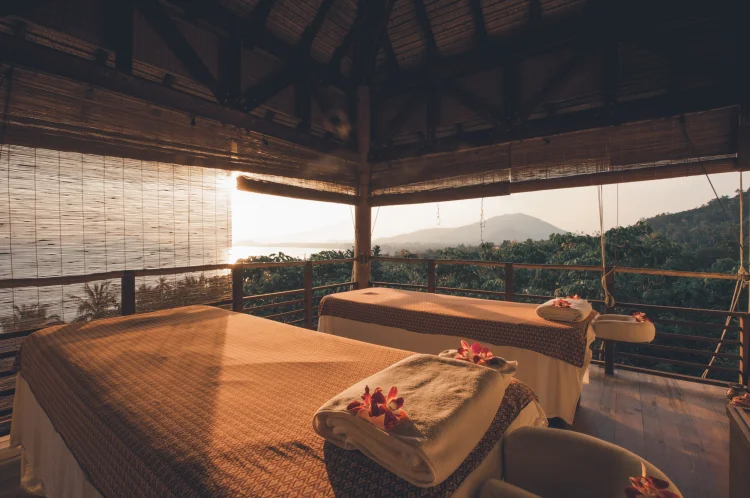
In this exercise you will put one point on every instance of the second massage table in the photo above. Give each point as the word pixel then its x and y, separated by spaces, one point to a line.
pixel 552 357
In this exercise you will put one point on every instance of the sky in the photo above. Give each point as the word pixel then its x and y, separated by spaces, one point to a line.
pixel 270 219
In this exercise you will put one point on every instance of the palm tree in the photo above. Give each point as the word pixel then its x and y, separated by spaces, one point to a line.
pixel 99 302
pixel 28 316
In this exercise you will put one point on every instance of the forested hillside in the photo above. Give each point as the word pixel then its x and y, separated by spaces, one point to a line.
pixel 700 239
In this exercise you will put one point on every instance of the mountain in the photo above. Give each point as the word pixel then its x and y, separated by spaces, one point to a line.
pixel 497 229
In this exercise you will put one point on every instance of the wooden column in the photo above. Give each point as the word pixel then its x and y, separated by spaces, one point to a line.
pixel 431 275
pixel 509 290
pixel 238 292
pixel 127 294
pixel 362 210
pixel 308 281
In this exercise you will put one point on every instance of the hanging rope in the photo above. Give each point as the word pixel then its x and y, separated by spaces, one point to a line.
pixel 438 214
pixel 481 221
pixel 609 300
pixel 375 222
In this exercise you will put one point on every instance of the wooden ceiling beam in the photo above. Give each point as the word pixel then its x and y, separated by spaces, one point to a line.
pixel 391 61
pixel 424 25
pixel 165 27
pixel 479 25
pixel 334 64
pixel 271 188
pixel 702 99
pixel 47 60
pixel 255 27
pixel 469 100
pixel 560 76
pixel 118 33
pixel 374 28
pixel 535 12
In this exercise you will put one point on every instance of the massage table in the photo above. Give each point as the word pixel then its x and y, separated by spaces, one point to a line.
pixel 553 357
pixel 198 401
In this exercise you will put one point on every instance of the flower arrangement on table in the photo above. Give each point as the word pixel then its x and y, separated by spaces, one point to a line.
pixel 378 409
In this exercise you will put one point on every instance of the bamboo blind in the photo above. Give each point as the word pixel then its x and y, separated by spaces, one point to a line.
pixel 65 213
pixel 633 146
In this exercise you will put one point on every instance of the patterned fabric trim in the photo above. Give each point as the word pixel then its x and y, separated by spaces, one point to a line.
pixel 565 342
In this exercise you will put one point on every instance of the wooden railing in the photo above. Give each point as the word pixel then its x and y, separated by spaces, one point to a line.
pixel 608 353
pixel 303 300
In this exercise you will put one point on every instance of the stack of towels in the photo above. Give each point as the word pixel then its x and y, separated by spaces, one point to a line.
pixel 572 310
pixel 450 405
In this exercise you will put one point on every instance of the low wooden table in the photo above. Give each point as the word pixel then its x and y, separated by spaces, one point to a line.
pixel 739 452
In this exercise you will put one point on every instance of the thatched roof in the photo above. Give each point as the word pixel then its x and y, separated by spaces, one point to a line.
pixel 464 93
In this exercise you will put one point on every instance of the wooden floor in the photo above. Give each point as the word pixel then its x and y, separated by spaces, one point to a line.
pixel 681 427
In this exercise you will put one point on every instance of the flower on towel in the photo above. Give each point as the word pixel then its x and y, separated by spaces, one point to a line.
pixel 377 408
pixel 640 317
pixel 645 485
pixel 561 303
pixel 575 297
pixel 474 353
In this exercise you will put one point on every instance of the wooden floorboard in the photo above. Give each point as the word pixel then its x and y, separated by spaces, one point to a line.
pixel 679 426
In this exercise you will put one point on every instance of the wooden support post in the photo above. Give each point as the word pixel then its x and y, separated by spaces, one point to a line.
pixel 509 290
pixel 308 294
pixel 431 276
pixel 238 291
pixel 744 348
pixel 127 293
pixel 609 346
pixel 363 211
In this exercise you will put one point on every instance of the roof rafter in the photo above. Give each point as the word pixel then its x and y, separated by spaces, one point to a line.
pixel 295 69
pixel 375 23
pixel 535 11
pixel 256 26
pixel 424 25
pixel 165 27
pixel 24 53
pixel 472 102
pixel 624 21
pixel 479 24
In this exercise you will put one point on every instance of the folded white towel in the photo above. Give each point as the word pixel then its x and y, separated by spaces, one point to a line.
pixel 496 362
pixel 578 311
pixel 451 404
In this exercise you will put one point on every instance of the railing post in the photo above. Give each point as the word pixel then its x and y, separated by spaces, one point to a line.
pixel 744 348
pixel 127 293
pixel 308 277
pixel 609 346
pixel 238 291
pixel 431 276
pixel 509 291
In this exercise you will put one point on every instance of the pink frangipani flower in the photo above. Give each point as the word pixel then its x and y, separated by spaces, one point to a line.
pixel 561 303
pixel 474 353
pixel 381 410
pixel 645 485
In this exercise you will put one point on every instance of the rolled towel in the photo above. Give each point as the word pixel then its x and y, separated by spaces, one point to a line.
pixel 564 310
pixel 496 362
pixel 451 404
pixel 624 328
